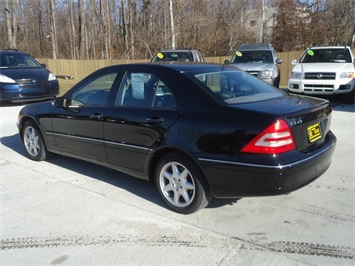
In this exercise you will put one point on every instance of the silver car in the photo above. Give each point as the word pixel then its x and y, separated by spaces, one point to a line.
pixel 259 60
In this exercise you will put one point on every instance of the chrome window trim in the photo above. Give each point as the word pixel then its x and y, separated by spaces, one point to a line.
pixel 96 140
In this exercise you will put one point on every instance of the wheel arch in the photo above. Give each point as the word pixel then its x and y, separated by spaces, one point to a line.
pixel 26 119
pixel 162 152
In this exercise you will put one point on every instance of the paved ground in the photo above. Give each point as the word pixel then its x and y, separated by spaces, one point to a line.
pixel 69 212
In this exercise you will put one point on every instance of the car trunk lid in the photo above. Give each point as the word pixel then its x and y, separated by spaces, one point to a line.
pixel 309 118
pixel 310 127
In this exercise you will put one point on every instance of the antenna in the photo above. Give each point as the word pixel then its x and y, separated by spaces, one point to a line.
pixel 226 62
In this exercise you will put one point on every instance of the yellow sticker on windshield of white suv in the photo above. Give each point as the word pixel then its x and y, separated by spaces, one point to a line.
pixel 314 132
pixel 310 52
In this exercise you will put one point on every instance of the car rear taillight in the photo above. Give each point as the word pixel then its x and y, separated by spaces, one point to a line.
pixel 275 139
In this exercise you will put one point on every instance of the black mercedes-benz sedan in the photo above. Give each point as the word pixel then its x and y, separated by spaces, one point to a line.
pixel 196 130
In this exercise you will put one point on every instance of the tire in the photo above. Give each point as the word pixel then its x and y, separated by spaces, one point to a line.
pixel 277 82
pixel 349 98
pixel 181 184
pixel 33 142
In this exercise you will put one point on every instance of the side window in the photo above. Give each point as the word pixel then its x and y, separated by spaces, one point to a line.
pixel 144 90
pixel 95 92
pixel 163 98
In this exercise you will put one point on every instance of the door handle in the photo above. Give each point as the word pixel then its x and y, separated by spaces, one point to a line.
pixel 153 120
pixel 96 116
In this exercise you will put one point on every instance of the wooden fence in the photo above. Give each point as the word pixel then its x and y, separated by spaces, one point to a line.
pixel 81 68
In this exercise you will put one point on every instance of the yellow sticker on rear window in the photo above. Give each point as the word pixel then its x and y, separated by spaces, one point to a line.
pixel 160 55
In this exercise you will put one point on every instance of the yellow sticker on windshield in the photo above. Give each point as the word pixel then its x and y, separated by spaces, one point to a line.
pixel 310 52
pixel 160 55
pixel 239 54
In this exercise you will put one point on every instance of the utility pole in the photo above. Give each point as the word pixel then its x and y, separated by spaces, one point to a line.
pixel 261 37
pixel 172 24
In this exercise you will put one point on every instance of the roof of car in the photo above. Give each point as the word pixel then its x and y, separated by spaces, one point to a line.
pixel 179 66
pixel 10 51
pixel 330 47
pixel 256 46
pixel 179 50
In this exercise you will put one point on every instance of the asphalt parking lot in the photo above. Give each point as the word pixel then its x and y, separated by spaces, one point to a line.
pixel 69 212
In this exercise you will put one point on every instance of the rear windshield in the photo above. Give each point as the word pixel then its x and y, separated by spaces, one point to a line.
pixel 235 87
pixel 17 61
pixel 335 55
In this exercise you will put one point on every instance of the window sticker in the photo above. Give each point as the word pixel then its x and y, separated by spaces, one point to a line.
pixel 137 81
pixel 160 55
pixel 310 52
pixel 239 53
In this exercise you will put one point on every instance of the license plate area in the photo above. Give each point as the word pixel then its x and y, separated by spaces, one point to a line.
pixel 314 132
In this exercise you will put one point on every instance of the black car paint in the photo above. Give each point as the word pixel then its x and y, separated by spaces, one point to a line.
pixel 132 139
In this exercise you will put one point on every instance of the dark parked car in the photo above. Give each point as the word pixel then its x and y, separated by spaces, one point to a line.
pixel 259 60
pixel 23 79
pixel 195 130
pixel 178 54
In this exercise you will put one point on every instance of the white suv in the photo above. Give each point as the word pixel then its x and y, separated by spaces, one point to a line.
pixel 324 70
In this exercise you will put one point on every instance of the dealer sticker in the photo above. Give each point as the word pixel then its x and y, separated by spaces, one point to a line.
pixel 314 132
pixel 310 52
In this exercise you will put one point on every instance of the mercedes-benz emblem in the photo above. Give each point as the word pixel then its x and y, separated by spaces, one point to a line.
pixel 33 81
pixel 319 76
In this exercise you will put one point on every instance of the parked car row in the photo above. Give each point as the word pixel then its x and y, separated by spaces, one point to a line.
pixel 322 70
pixel 259 60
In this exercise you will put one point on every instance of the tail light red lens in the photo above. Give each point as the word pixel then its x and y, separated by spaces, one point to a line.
pixel 275 139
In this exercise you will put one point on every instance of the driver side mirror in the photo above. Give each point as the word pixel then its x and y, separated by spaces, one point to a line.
pixel 60 102
pixel 65 103
pixel 294 62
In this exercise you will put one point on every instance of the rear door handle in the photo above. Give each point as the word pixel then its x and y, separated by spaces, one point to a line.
pixel 97 116
pixel 153 120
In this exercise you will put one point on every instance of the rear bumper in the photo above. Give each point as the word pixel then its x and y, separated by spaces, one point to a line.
pixel 232 179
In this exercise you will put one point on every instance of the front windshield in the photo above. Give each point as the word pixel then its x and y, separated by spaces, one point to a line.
pixel 235 87
pixel 335 55
pixel 17 61
pixel 173 56
pixel 252 57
